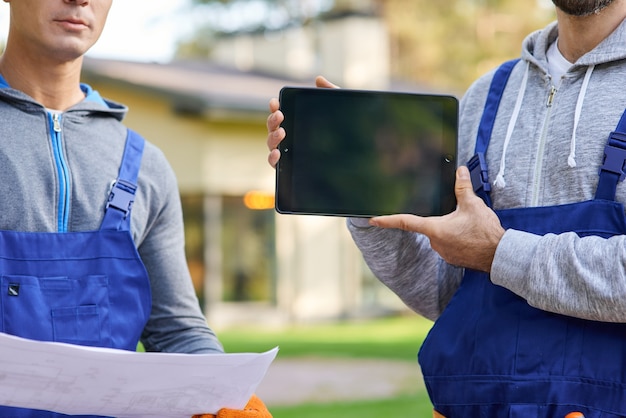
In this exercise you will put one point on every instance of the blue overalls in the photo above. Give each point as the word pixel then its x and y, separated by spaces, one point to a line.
pixel 491 354
pixel 86 288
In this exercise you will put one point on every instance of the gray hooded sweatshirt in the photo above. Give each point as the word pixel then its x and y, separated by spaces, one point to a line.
pixel 62 186
pixel 545 152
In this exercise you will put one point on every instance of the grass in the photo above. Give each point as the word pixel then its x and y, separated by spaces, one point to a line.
pixel 395 338
pixel 417 406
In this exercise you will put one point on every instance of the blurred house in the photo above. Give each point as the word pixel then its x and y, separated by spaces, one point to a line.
pixel 250 264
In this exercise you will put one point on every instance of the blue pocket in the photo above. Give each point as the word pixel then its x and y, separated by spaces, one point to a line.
pixel 56 309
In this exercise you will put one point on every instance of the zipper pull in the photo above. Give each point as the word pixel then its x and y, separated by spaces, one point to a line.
pixel 551 96
pixel 56 122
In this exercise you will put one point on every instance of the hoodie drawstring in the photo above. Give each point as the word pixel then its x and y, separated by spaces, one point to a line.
pixel 571 160
pixel 500 182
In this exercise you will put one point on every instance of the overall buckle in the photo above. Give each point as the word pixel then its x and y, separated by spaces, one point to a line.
pixel 614 156
pixel 479 174
pixel 121 196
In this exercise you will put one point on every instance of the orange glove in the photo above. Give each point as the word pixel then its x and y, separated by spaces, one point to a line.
pixel 254 409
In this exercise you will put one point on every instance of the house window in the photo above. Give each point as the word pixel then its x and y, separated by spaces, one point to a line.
pixel 193 216
pixel 242 267
pixel 248 250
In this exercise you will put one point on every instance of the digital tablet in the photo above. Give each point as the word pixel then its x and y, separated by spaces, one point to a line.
pixel 356 153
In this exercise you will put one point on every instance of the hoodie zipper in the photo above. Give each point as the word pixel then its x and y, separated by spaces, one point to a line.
pixel 541 148
pixel 63 205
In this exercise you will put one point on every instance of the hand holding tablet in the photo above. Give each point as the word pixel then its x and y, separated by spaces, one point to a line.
pixel 366 153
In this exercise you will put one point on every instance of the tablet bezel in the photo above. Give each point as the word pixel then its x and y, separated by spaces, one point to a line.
pixel 285 167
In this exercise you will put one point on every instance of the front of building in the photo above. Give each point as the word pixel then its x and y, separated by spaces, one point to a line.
pixel 249 263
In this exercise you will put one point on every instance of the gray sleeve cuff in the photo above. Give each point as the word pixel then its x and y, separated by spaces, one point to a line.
pixel 359 222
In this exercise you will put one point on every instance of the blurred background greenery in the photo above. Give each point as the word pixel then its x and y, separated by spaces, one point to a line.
pixel 395 338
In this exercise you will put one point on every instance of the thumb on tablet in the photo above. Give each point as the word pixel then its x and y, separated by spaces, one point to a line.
pixel 320 81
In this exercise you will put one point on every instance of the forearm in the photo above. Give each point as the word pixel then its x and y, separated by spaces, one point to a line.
pixel 406 264
pixel 565 274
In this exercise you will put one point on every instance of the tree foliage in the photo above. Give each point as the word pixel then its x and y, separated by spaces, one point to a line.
pixel 215 18
pixel 451 43
pixel 267 13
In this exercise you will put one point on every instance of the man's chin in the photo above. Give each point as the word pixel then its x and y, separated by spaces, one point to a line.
pixel 582 8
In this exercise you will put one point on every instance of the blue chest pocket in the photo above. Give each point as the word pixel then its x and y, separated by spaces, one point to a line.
pixel 57 309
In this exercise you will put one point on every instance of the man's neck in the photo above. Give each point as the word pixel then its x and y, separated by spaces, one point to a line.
pixel 579 35
pixel 55 85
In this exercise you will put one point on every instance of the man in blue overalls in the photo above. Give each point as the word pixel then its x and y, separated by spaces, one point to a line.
pixel 91 234
pixel 526 279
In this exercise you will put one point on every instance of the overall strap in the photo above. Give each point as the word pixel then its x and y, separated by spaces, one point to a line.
pixel 614 163
pixel 122 194
pixel 477 165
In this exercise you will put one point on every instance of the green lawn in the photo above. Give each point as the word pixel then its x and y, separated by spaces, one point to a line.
pixel 406 406
pixel 396 338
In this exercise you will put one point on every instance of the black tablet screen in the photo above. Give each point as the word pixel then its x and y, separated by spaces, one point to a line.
pixel 366 153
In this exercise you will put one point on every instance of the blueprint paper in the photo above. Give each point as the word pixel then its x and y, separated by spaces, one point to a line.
pixel 78 380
